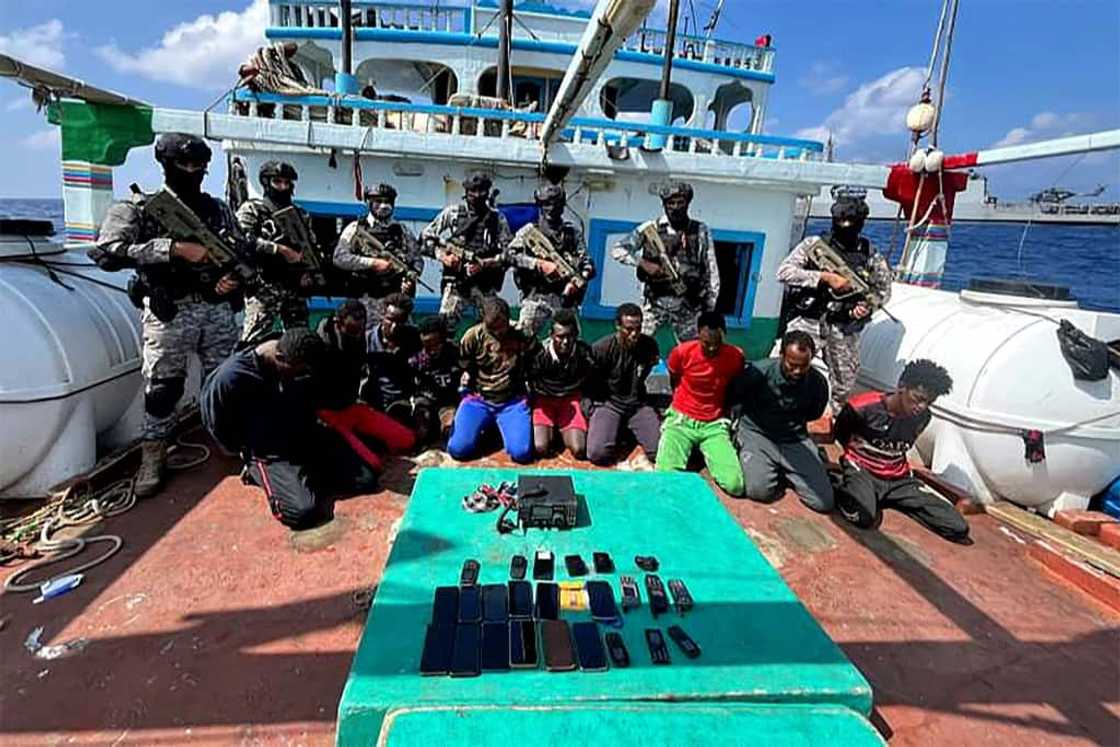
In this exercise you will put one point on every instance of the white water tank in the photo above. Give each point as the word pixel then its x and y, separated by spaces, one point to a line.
pixel 1008 376
pixel 69 361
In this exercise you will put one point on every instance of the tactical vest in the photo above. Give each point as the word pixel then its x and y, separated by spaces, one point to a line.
pixel 179 278
pixel 817 302
pixel 531 281
pixel 684 248
pixel 392 237
pixel 480 235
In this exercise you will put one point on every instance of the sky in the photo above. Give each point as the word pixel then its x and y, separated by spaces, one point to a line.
pixel 1021 70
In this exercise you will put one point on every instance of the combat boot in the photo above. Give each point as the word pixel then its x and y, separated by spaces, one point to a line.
pixel 153 462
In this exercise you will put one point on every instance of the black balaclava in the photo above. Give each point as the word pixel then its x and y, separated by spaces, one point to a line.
pixel 848 217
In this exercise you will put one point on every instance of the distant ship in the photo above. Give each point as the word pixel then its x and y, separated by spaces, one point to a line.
pixel 977 204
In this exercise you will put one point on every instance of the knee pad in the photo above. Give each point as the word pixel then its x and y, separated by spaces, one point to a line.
pixel 162 395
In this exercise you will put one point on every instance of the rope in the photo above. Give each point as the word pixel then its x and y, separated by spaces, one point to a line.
pixel 944 76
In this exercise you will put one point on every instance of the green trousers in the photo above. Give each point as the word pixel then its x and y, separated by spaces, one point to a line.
pixel 680 434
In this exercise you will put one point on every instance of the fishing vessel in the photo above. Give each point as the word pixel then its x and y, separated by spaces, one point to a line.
pixel 422 96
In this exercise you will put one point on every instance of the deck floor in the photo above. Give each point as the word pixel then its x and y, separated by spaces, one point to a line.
pixel 215 625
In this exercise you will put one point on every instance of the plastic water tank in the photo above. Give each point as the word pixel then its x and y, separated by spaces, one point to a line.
pixel 69 363
pixel 1008 376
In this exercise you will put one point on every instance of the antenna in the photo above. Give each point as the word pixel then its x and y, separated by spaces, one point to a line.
pixel 713 21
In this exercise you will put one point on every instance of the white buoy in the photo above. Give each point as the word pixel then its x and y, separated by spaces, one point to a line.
pixel 921 116
pixel 918 162
pixel 934 159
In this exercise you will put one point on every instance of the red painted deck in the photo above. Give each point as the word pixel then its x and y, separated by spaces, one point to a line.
pixel 215 625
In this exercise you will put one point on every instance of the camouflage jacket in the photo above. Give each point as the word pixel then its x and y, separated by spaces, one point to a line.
pixel 489 238
pixel 349 256
pixel 696 263
pixel 253 216
pixel 797 271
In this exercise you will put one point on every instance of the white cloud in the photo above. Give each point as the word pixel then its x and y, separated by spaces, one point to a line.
pixel 203 53
pixel 823 78
pixel 875 108
pixel 20 102
pixel 36 45
pixel 1045 125
pixel 48 139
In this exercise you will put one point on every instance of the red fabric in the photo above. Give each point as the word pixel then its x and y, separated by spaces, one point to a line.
pixel 359 419
pixel 902 185
pixel 703 380
pixel 559 412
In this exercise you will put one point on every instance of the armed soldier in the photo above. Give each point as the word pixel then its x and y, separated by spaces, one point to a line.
pixel 676 263
pixel 825 303
pixel 187 296
pixel 550 260
pixel 470 240
pixel 288 267
pixel 382 251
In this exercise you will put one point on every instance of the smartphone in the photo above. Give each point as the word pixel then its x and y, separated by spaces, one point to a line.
pixel 523 644
pixel 469 575
pixel 548 601
pixel 445 605
pixel 603 562
pixel 439 643
pixel 589 647
pixel 495 603
pixel 557 644
pixel 520 599
pixel 470 604
pixel 575 565
pixel 517 567
pixel 658 651
pixel 543 565
pixel 600 596
pixel 620 657
pixel 465 657
pixel 495 646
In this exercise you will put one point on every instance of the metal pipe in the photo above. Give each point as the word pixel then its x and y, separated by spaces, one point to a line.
pixel 670 46
pixel 347 37
pixel 505 31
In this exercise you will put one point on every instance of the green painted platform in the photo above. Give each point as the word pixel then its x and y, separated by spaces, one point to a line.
pixel 760 645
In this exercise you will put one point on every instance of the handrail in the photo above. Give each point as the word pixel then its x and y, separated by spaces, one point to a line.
pixel 357 102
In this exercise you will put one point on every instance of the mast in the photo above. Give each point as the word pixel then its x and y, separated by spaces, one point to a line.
pixel 505 32
pixel 344 80
pixel 661 113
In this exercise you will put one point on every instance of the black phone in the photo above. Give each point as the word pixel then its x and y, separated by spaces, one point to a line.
pixel 548 601
pixel 470 604
pixel 495 646
pixel 439 642
pixel 600 597
pixel 557 644
pixel 469 575
pixel 517 567
pixel 655 590
pixel 465 658
pixel 543 565
pixel 658 651
pixel 589 647
pixel 495 603
pixel 684 641
pixel 575 565
pixel 520 599
pixel 523 644
pixel 603 562
pixel 616 647
pixel 445 605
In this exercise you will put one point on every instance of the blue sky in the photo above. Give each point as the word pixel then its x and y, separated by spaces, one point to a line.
pixel 1021 70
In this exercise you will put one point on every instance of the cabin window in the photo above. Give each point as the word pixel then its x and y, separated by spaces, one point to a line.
pixel 732 108
pixel 529 86
pixel 630 100
pixel 407 80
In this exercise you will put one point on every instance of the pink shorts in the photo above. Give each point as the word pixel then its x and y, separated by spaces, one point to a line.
pixel 559 412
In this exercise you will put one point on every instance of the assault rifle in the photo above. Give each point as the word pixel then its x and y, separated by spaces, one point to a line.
pixel 827 259
pixel 181 224
pixel 374 248
pixel 541 247
pixel 288 227
pixel 661 254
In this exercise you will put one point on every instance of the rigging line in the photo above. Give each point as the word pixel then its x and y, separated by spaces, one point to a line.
pixel 936 43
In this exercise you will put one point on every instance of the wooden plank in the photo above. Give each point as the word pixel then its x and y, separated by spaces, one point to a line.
pixel 1094 553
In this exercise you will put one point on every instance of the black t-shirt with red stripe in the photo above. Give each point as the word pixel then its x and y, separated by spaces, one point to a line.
pixel 875 440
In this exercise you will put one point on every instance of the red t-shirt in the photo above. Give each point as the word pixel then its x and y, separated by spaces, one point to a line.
pixel 703 380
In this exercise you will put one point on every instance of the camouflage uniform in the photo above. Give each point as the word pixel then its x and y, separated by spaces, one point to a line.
pixel 836 336
pixel 695 256
pixel 202 324
pixel 278 296
pixel 541 297
pixel 488 238
pixel 350 257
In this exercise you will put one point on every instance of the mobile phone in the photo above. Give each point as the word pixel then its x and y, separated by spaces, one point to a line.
pixel 523 644
pixel 548 601
pixel 589 647
pixel 469 575
pixel 658 651
pixel 470 604
pixel 495 603
pixel 616 647
pixel 445 605
pixel 681 596
pixel 603 562
pixel 557 644
pixel 575 565
pixel 495 646
pixel 520 599
pixel 601 600
pixel 630 596
pixel 439 642
pixel 543 563
pixel 684 641
pixel 655 590
pixel 517 567
pixel 465 658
